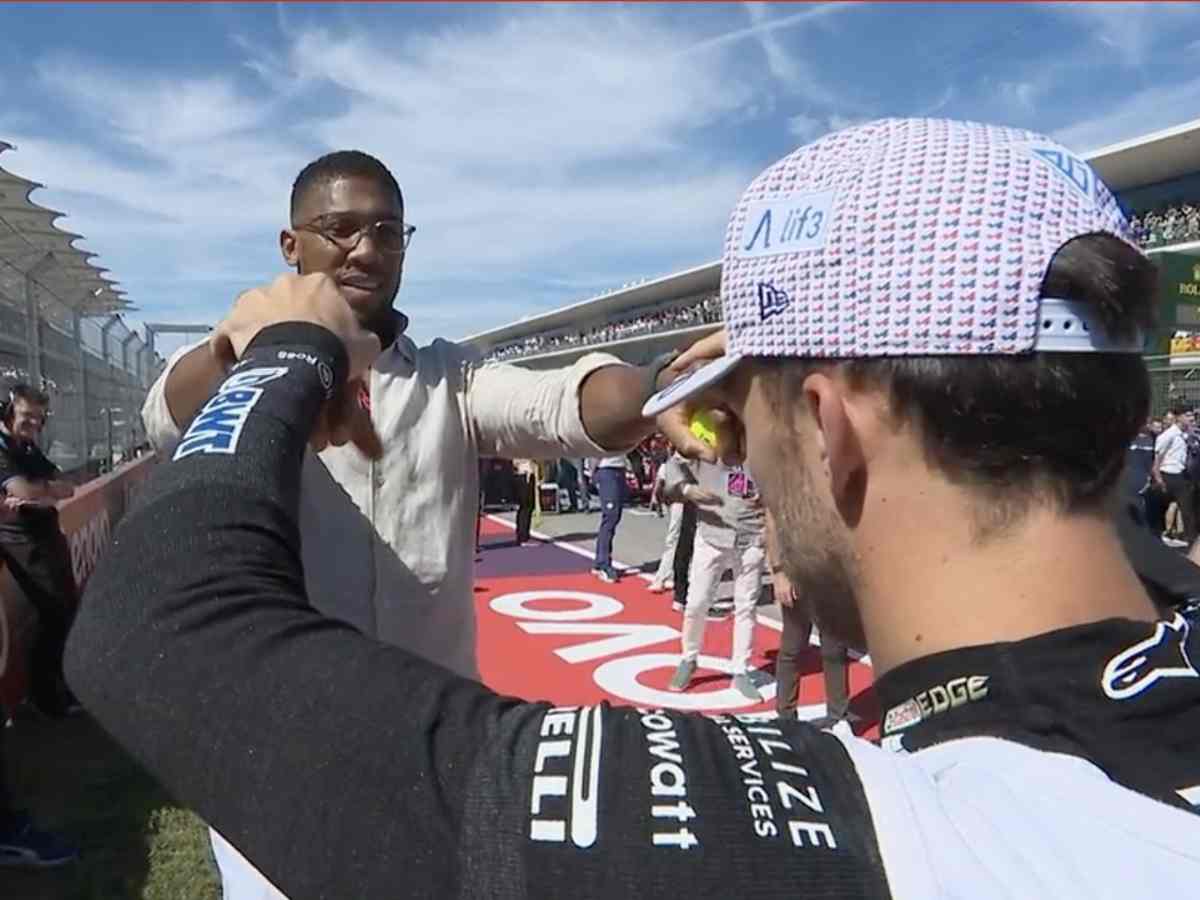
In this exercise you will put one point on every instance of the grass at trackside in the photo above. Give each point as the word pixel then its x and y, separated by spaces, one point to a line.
pixel 137 844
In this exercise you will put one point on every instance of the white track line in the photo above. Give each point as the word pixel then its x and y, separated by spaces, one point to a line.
pixel 814 640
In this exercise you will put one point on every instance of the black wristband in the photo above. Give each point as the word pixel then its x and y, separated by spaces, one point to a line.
pixel 286 373
pixel 301 342
pixel 654 369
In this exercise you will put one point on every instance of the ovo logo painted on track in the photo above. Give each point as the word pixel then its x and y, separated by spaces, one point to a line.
pixel 589 639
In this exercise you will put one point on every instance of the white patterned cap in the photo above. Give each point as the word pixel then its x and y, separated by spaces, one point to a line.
pixel 906 237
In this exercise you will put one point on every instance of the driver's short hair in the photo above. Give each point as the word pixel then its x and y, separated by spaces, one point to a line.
pixel 1033 429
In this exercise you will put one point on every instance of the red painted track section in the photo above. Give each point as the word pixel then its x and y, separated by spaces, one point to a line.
pixel 549 630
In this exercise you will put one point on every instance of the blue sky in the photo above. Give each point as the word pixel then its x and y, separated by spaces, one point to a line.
pixel 546 152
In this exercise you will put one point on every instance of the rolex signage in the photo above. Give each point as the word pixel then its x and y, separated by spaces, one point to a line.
pixel 1179 286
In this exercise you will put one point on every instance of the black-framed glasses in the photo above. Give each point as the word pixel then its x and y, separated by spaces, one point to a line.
pixel 391 236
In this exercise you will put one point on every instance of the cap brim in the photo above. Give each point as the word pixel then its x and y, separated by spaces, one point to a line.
pixel 689 385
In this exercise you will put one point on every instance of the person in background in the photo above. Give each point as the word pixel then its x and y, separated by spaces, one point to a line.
pixel 1155 498
pixel 483 469
pixel 1191 471
pixel 608 475
pixel 584 466
pixel 664 576
pixel 730 534
pixel 22 843
pixel 684 548
pixel 1169 473
pixel 525 477
pixel 1136 483
pixel 568 480
pixel 32 544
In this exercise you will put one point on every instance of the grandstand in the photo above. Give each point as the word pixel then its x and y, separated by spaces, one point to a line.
pixel 63 330
pixel 1156 177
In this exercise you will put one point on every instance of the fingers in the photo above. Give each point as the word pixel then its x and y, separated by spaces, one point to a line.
pixel 222 348
pixel 674 425
pixel 348 423
pixel 364 436
pixel 363 348
pixel 704 350
pixel 728 433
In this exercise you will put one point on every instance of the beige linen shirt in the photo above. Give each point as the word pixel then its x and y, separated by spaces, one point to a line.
pixel 388 545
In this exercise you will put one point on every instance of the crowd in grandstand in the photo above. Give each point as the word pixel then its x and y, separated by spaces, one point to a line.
pixel 1173 224
pixel 698 312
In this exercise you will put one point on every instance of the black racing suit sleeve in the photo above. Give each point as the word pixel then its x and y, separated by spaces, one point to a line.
pixel 344 768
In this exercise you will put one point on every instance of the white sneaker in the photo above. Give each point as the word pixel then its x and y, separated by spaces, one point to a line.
pixel 657 587
pixel 683 675
pixel 744 686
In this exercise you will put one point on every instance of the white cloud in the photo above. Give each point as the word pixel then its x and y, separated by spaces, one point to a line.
pixel 838 122
pixel 815 12
pixel 805 127
pixel 790 69
pixel 548 89
pixel 1147 110
pixel 550 142
pixel 1023 94
pixel 944 99
pixel 1130 30
pixel 152 114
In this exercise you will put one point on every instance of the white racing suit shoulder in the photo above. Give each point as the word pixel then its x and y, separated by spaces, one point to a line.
pixel 984 817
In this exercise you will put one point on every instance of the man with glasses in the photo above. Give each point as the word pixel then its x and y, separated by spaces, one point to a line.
pixel 397 561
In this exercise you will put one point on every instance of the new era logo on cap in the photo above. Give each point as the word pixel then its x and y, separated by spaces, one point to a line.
pixel 771 300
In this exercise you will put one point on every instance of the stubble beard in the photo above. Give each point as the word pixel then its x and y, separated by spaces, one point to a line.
pixel 818 558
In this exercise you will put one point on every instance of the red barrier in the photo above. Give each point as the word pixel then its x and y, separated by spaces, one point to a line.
pixel 87 519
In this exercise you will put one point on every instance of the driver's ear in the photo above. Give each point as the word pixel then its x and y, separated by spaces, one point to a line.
pixel 838 443
pixel 289 246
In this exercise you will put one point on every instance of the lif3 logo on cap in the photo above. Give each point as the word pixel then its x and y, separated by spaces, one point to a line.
pixel 786 224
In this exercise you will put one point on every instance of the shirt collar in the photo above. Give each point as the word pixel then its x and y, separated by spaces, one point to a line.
pixel 403 344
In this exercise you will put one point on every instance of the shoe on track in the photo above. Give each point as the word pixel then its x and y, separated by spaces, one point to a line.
pixel 683 675
pixel 744 686
pixel 607 574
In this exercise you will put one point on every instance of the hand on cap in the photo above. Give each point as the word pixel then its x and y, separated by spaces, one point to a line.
pixel 703 351
pixel 315 299
pixel 675 423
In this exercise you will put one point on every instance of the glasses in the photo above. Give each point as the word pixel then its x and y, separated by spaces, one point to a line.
pixel 390 236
